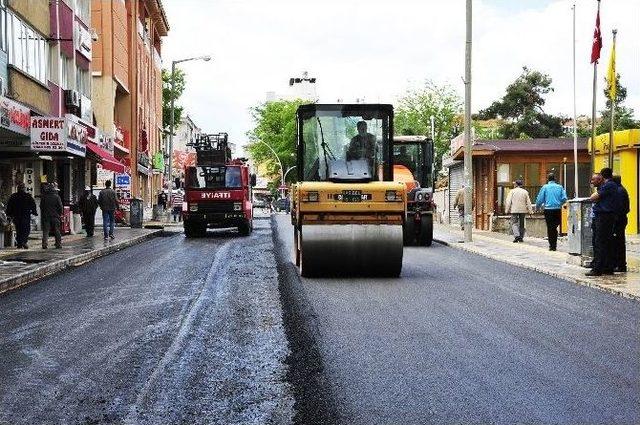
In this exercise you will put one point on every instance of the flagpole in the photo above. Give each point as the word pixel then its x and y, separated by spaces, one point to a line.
pixel 612 83
pixel 575 114
pixel 593 101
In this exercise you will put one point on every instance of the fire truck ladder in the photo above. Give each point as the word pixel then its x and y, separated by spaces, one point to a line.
pixel 211 149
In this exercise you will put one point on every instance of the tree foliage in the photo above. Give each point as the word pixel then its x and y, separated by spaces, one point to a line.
pixel 412 115
pixel 623 118
pixel 275 125
pixel 168 95
pixel 522 108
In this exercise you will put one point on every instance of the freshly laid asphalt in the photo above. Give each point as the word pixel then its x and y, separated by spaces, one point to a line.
pixel 223 330
pixel 459 338
pixel 173 330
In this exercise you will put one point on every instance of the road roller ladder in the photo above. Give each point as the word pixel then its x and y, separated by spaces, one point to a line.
pixel 347 213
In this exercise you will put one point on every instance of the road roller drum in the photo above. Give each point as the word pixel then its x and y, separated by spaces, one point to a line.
pixel 351 249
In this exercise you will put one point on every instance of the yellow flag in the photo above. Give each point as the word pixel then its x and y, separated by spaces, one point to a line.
pixel 611 73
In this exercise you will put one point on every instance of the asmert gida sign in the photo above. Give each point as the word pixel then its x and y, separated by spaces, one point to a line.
pixel 58 134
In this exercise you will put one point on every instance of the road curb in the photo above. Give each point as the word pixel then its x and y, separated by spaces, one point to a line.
pixel 30 276
pixel 579 281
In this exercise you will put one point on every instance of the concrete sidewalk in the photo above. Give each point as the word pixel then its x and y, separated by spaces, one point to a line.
pixel 19 266
pixel 534 254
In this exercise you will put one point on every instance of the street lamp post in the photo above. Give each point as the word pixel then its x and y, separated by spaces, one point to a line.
pixel 282 173
pixel 287 172
pixel 205 58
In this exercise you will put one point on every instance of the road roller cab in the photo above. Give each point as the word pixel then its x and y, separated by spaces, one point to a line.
pixel 347 212
pixel 413 166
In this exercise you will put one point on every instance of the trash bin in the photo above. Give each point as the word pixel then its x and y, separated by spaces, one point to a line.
pixel 579 230
pixel 136 213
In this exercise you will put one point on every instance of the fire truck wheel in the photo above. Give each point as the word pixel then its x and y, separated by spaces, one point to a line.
pixel 190 230
pixel 426 230
pixel 244 229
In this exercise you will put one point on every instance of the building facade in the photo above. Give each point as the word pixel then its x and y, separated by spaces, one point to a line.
pixel 47 131
pixel 498 163
pixel 127 87
pixel 626 164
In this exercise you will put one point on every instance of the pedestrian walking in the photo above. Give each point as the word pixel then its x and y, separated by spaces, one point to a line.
pixel 459 204
pixel 518 204
pixel 20 207
pixel 622 209
pixel 88 206
pixel 176 204
pixel 108 202
pixel 604 210
pixel 50 214
pixel 162 200
pixel 552 196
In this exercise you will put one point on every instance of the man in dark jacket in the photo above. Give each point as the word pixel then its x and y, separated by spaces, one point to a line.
pixel 20 207
pixel 622 209
pixel 604 210
pixel 50 214
pixel 108 202
pixel 88 205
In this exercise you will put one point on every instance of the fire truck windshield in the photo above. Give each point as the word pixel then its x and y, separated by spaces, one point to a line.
pixel 213 177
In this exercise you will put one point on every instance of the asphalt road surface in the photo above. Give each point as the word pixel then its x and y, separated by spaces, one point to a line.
pixel 459 339
pixel 173 330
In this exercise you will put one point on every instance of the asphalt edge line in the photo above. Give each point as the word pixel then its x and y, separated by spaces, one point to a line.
pixel 314 402
pixel 32 276
pixel 578 281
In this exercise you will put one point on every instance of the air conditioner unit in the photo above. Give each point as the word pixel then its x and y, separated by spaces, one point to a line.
pixel 71 99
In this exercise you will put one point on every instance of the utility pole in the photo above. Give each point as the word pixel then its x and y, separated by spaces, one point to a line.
pixel 575 114
pixel 468 166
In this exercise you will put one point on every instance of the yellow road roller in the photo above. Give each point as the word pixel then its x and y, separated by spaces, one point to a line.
pixel 347 212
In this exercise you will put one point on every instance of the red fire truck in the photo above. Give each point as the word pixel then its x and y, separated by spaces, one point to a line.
pixel 217 189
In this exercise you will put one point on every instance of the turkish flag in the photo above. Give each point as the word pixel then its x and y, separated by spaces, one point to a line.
pixel 597 41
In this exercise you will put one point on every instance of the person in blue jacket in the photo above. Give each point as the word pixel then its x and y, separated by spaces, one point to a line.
pixel 552 196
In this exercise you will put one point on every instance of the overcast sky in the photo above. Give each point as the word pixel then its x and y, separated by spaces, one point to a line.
pixel 376 49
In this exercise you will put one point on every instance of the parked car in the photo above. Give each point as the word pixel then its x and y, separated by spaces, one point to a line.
pixel 281 204
pixel 259 203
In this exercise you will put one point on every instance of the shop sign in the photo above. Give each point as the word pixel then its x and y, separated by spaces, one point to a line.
pixel 105 142
pixel 83 41
pixel 29 180
pixel 56 134
pixel 102 175
pixel 143 159
pixel 77 135
pixel 48 134
pixel 123 181
pixel 158 161
pixel 14 116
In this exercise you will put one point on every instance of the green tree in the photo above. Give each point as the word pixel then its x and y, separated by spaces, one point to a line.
pixel 275 125
pixel 521 108
pixel 623 118
pixel 168 95
pixel 412 115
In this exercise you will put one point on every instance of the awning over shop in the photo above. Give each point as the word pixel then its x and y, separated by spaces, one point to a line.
pixel 108 161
